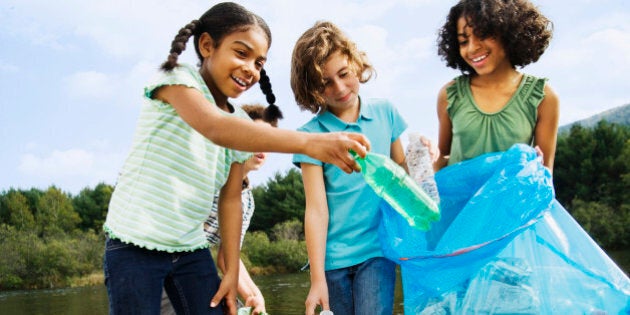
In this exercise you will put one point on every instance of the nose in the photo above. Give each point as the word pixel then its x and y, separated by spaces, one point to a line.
pixel 336 85
pixel 473 43
pixel 249 68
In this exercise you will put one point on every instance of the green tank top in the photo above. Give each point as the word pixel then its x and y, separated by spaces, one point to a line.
pixel 476 132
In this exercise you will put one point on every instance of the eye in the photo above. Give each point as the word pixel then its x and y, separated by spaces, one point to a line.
pixel 260 64
pixel 241 53
pixel 343 74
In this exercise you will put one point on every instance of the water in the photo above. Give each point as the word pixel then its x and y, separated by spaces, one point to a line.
pixel 284 295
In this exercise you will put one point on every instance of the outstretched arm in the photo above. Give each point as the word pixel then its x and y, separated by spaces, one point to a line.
pixel 241 134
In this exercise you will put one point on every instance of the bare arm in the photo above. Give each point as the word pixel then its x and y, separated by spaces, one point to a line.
pixel 247 289
pixel 397 154
pixel 315 230
pixel 546 130
pixel 445 132
pixel 241 134
pixel 230 222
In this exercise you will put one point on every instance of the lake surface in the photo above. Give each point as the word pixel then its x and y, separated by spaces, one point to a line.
pixel 284 295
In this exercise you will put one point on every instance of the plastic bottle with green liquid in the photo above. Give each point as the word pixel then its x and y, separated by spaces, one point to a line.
pixel 390 182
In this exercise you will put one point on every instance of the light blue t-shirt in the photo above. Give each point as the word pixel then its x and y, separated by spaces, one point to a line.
pixel 353 206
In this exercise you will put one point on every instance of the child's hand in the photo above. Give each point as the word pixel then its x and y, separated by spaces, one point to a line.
pixel 434 151
pixel 539 153
pixel 257 302
pixel 334 148
pixel 318 295
pixel 228 290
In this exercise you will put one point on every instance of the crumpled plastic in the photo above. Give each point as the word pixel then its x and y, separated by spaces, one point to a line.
pixel 503 245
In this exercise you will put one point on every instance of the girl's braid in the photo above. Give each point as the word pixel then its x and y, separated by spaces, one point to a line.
pixel 179 44
pixel 272 112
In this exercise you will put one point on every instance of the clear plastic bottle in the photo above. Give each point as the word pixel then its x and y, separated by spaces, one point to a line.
pixel 421 167
pixel 391 182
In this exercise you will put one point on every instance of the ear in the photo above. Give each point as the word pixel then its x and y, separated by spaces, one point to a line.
pixel 206 45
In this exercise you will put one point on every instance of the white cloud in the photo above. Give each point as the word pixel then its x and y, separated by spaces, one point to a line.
pixel 72 169
pixel 67 163
pixel 90 85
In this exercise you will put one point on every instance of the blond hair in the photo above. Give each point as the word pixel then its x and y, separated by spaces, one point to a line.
pixel 311 52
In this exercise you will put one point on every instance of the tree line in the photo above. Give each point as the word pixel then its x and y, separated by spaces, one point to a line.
pixel 51 238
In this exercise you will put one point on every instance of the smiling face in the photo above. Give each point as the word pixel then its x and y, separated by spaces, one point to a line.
pixel 341 85
pixel 233 66
pixel 484 55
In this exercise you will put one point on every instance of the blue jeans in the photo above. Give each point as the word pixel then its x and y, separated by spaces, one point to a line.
pixel 366 288
pixel 135 277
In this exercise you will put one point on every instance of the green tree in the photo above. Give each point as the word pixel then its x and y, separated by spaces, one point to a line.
pixel 281 199
pixel 19 213
pixel 55 213
pixel 591 164
pixel 607 226
pixel 592 177
pixel 91 205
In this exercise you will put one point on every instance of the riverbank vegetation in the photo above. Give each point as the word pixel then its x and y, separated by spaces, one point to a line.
pixel 49 238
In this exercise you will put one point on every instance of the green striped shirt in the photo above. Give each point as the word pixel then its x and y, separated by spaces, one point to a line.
pixel 166 187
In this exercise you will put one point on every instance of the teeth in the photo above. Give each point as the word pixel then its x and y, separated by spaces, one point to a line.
pixel 479 58
pixel 239 81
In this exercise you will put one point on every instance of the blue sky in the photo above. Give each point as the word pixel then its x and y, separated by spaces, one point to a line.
pixel 72 72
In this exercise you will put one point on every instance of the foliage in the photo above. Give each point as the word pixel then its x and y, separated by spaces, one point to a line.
pixel 286 254
pixel 602 221
pixel 281 199
pixel 592 177
pixel 29 261
pixel 288 230
pixel 91 205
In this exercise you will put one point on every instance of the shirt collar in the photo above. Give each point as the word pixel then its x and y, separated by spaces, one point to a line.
pixel 332 122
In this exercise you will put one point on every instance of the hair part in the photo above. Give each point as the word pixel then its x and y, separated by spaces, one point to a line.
pixel 521 28
pixel 310 54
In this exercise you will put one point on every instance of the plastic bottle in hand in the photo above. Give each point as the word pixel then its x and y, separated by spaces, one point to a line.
pixel 390 182
pixel 421 167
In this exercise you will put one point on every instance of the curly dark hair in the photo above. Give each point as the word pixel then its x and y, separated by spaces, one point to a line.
pixel 311 52
pixel 258 111
pixel 522 29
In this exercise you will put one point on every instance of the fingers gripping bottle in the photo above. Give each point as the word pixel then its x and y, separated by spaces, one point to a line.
pixel 390 182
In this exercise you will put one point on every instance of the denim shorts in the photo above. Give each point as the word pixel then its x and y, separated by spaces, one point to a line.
pixel 366 288
pixel 135 276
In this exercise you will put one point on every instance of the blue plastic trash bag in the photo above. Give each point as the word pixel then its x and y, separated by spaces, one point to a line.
pixel 503 246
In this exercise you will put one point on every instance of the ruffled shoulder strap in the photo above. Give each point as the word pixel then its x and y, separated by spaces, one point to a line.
pixel 532 90
pixel 456 91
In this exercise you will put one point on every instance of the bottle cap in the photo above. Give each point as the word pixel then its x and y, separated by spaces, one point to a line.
pixel 326 312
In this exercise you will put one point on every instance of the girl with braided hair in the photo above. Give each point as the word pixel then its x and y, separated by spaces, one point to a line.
pixel 184 151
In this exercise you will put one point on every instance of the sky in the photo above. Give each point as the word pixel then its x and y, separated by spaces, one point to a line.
pixel 72 72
